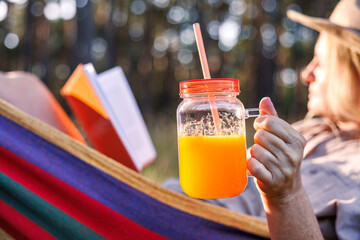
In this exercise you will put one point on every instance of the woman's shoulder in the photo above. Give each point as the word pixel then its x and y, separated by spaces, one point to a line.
pixel 312 126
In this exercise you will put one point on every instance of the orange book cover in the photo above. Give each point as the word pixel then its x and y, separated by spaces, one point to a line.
pixel 91 107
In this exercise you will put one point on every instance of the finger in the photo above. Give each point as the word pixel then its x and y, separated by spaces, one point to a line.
pixel 258 170
pixel 272 143
pixel 267 107
pixel 278 127
pixel 267 159
pixel 279 162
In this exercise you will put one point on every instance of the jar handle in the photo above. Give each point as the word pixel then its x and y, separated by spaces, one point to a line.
pixel 250 112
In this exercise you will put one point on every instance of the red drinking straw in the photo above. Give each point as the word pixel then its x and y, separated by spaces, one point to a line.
pixel 206 73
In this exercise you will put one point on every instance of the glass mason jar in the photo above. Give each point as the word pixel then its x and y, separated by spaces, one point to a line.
pixel 212 138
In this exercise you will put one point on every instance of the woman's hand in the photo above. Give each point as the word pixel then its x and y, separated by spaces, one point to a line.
pixel 275 163
pixel 276 155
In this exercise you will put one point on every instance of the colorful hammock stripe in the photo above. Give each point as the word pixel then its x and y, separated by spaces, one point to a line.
pixel 48 193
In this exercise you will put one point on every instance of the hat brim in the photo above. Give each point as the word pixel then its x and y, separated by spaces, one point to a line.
pixel 349 37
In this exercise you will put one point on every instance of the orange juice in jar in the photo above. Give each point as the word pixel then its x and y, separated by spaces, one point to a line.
pixel 212 159
pixel 212 166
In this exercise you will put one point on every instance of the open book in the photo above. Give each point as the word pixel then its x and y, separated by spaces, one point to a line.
pixel 107 110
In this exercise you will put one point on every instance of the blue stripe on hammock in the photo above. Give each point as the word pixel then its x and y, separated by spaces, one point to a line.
pixel 125 200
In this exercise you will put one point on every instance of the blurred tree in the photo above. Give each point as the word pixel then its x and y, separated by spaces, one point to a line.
pixel 35 46
pixel 110 32
pixel 153 42
pixel 84 35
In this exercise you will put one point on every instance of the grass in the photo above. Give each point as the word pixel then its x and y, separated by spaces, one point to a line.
pixel 164 136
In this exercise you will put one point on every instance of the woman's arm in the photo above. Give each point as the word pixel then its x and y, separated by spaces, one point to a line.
pixel 292 217
pixel 275 163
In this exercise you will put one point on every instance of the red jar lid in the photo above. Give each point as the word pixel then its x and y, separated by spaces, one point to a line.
pixel 214 85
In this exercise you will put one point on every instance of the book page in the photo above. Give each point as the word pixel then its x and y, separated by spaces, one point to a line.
pixel 119 102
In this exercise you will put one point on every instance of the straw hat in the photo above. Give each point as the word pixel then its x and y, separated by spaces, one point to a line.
pixel 344 23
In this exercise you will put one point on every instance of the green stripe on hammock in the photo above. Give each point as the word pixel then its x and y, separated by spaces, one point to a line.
pixel 42 213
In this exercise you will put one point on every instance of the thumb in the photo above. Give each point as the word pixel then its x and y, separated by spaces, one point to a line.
pixel 267 107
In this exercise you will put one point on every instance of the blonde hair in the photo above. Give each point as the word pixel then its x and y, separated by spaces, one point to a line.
pixel 343 91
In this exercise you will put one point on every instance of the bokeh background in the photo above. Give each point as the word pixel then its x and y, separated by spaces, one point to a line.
pixel 153 41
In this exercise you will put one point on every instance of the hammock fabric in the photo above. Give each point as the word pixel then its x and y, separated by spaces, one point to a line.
pixel 53 187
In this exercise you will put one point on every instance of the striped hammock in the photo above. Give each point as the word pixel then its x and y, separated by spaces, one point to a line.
pixel 53 187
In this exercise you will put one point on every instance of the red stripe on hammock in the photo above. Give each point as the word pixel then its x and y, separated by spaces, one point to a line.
pixel 20 227
pixel 78 205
